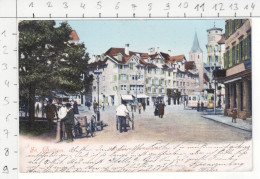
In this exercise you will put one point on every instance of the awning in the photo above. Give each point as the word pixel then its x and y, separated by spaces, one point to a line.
pixel 142 96
pixel 229 81
pixel 127 97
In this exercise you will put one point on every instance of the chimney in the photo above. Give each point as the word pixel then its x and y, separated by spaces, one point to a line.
pixel 151 51
pixel 169 52
pixel 127 49
pixel 158 49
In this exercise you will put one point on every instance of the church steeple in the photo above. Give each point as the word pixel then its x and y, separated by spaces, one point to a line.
pixel 196 45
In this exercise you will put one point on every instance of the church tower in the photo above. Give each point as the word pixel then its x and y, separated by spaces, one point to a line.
pixel 196 55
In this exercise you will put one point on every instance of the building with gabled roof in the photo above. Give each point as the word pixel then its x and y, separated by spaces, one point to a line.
pixel 125 73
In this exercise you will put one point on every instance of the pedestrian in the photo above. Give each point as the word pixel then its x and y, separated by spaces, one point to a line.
pixel 234 115
pixel 144 105
pixel 202 105
pixel 198 106
pixel 160 109
pixel 103 106
pixel 139 107
pixel 75 107
pixel 95 106
pixel 132 107
pixel 51 110
pixel 122 112
pixel 88 105
pixel 61 134
pixel 37 108
pixel 68 121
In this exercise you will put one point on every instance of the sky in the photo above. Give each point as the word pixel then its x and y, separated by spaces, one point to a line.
pixel 175 35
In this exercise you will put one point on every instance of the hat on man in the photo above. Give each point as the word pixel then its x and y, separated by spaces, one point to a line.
pixel 68 105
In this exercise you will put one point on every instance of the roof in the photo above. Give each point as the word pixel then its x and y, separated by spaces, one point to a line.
pixel 222 40
pixel 214 28
pixel 206 78
pixel 147 64
pixel 113 51
pixel 189 65
pixel 74 35
pixel 196 45
pixel 176 58
pixel 100 62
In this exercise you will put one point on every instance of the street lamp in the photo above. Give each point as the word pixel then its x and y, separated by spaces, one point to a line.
pixel 97 73
pixel 137 73
pixel 215 86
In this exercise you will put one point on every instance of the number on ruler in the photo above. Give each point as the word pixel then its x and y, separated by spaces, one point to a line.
pixel 3 33
pixel 117 5
pixel 6 100
pixel 5 49
pixel 7 83
pixel 252 6
pixel 6 151
pixel 234 6
pixel 6 119
pixel 5 170
pixel 167 7
pixel 6 133
pixel 199 7
pixel 99 6
pixel 5 66
pixel 218 6
pixel 150 6
pixel 49 4
pixel 82 5
pixel 184 5
pixel 31 4
pixel 65 5
pixel 134 6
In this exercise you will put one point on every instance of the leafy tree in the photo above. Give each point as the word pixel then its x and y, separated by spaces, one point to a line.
pixel 49 61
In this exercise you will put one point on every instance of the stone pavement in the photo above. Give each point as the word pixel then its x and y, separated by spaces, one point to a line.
pixel 240 123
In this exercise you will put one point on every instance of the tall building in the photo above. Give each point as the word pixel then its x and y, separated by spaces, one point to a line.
pixel 215 59
pixel 196 55
pixel 237 64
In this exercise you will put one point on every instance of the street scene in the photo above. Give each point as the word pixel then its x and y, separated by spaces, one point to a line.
pixel 196 88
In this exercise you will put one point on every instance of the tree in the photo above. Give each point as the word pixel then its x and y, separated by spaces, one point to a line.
pixel 48 61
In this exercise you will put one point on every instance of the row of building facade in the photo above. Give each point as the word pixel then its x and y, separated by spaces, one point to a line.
pixel 126 75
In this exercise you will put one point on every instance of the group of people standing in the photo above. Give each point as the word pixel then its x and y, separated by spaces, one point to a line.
pixel 140 107
pixel 200 106
pixel 65 116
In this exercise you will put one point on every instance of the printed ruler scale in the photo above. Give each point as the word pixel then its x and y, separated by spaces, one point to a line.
pixel 12 11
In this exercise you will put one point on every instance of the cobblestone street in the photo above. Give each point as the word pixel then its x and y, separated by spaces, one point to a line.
pixel 178 124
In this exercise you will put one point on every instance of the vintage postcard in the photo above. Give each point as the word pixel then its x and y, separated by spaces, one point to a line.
pixel 135 95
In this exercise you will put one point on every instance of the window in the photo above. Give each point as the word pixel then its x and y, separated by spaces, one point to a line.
pixel 123 87
pixel 216 59
pixel 235 95
pixel 169 82
pixel 198 56
pixel 149 70
pixel 123 76
pixel 183 83
pixel 120 66
pixel 180 83
pixel 149 81
pixel 131 66
pixel 94 88
pixel 240 51
pixel 156 81
pixel 149 90
pixel 233 56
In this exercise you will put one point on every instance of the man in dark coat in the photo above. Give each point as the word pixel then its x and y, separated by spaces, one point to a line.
pixel 68 121
pixel 144 105
pixel 51 111
pixel 198 106
pixel 202 105
pixel 75 107
pixel 160 109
